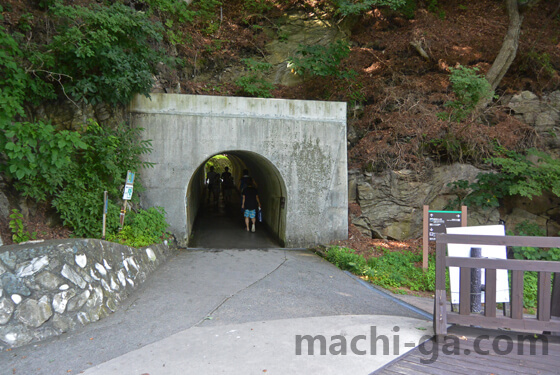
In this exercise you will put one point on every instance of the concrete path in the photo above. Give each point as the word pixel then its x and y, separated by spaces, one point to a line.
pixel 235 312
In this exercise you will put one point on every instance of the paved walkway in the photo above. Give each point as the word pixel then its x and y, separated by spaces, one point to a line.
pixel 235 312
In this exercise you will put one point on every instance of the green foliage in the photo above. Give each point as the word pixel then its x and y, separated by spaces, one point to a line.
pixel 257 6
pixel 470 88
pixel 517 175
pixel 146 227
pixel 346 259
pixel 25 22
pixel 322 61
pixel 105 53
pixel 101 166
pixel 356 7
pixel 19 234
pixel 70 169
pixel 527 228
pixel 391 270
pixel 398 269
pixel 13 78
pixel 35 154
pixel 254 84
pixel 177 10
pixel 434 7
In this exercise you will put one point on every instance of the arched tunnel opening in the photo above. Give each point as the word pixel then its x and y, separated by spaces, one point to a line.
pixel 221 225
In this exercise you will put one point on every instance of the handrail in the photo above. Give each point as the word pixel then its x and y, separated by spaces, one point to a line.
pixel 544 320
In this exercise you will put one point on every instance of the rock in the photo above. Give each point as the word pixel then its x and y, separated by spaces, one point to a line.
pixel 34 313
pixel 14 285
pixel 71 275
pixel 96 298
pixel 48 280
pixel 393 201
pixel 519 215
pixel 6 310
pixel 77 302
pixel 32 267
pixel 61 299
pixel 81 260
pixel 63 323
pixel 151 254
pixel 9 259
pixel 4 206
pixel 15 336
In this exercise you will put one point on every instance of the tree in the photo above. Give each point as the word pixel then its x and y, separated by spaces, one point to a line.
pixel 515 10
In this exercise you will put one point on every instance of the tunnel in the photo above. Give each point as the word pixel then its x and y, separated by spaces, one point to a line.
pixel 270 184
pixel 294 149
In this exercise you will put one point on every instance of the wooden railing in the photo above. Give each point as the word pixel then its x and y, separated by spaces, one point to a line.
pixel 543 321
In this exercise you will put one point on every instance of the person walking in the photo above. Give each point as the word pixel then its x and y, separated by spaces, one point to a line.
pixel 213 181
pixel 250 203
pixel 227 185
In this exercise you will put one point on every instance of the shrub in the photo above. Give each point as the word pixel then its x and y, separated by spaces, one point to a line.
pixel 322 61
pixel 70 169
pixel 105 53
pixel 19 234
pixel 517 175
pixel 254 84
pixel 141 229
pixel 346 259
pixel 470 88
pixel 349 7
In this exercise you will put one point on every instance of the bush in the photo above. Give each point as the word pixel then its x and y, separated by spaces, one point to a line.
pixel 470 88
pixel 517 175
pixel 349 7
pixel 322 61
pixel 253 84
pixel 70 169
pixel 346 259
pixel 141 229
pixel 104 53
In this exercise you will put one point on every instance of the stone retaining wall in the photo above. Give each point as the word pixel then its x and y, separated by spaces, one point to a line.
pixel 52 287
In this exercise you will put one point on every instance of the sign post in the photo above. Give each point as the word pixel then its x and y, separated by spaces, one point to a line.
pixel 105 206
pixel 127 194
pixel 436 222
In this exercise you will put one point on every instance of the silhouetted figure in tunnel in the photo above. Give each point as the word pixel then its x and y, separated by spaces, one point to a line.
pixel 213 181
pixel 227 186
pixel 250 203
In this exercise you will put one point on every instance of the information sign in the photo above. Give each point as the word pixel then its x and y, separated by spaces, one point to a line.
pixel 438 221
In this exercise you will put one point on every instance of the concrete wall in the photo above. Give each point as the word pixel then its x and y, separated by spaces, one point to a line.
pixel 295 150
pixel 52 287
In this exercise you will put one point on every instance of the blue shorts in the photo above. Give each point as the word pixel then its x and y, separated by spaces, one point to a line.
pixel 251 214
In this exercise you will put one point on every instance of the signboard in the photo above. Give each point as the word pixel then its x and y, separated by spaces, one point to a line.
pixel 438 221
pixel 435 222
pixel 493 252
pixel 128 187
pixel 127 195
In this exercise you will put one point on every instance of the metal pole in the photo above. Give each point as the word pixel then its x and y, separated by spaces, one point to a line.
pixel 476 283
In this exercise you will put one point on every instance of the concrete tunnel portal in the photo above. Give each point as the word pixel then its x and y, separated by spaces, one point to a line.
pixel 271 186
pixel 294 149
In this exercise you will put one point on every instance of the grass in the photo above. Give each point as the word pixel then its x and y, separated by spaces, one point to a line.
pixel 397 271
pixel 401 271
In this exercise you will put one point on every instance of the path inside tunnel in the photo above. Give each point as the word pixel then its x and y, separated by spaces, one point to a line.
pixel 223 227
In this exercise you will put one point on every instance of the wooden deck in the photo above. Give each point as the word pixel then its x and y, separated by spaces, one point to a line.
pixel 495 352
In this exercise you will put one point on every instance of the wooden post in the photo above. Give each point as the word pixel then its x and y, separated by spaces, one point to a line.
pixel 425 238
pixel 105 204
pixel 440 299
pixel 463 216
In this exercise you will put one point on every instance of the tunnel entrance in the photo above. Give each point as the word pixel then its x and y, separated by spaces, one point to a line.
pixel 220 224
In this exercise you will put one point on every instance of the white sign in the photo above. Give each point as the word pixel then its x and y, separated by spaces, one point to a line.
pixel 493 252
pixel 127 192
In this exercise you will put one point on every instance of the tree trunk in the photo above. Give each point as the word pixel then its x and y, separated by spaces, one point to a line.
pixel 509 46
